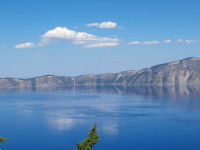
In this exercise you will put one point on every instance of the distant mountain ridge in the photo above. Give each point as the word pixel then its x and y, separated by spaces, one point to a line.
pixel 182 72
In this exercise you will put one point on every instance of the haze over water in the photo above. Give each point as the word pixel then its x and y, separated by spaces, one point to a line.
pixel 127 117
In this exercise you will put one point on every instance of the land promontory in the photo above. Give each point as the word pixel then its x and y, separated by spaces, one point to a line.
pixel 182 72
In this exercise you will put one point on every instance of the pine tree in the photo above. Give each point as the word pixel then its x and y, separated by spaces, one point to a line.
pixel 88 143
pixel 2 139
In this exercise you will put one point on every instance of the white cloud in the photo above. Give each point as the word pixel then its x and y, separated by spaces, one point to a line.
pixel 92 24
pixel 2 47
pixel 26 45
pixel 107 24
pixel 101 45
pixel 149 42
pixel 64 34
pixel 107 49
pixel 167 41
pixel 152 42
pixel 136 42
pixel 189 41
pixel 178 41
pixel 60 33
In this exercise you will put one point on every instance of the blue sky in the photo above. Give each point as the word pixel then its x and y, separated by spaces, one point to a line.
pixel 82 37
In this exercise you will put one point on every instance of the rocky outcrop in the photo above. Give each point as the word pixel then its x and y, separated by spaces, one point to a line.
pixel 183 72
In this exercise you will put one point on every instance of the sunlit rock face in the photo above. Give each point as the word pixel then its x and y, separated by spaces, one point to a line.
pixel 186 71
pixel 183 72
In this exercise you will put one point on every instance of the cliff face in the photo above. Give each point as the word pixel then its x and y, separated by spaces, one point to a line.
pixel 186 71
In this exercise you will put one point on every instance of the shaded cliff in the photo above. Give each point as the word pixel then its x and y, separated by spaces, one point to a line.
pixel 183 72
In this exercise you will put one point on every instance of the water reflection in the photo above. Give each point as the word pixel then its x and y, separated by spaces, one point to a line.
pixel 64 110
pixel 175 91
pixel 66 114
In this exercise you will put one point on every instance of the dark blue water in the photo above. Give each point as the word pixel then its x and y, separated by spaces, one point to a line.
pixel 127 118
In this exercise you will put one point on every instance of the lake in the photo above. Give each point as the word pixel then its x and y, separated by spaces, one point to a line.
pixel 127 117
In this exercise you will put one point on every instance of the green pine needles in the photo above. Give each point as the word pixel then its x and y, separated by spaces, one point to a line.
pixel 2 139
pixel 88 143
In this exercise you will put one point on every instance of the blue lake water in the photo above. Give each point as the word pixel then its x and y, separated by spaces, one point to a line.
pixel 140 118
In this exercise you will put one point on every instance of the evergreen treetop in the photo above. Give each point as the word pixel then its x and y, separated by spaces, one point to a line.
pixel 88 143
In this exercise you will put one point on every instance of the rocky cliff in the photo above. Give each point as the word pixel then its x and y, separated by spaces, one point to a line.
pixel 183 72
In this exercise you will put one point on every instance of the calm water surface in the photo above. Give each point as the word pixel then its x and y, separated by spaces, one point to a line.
pixel 126 117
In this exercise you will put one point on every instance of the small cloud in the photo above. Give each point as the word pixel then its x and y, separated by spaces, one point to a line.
pixel 167 41
pixel 101 45
pixel 136 42
pixel 26 45
pixel 107 49
pixel 149 42
pixel 107 24
pixel 39 54
pixel 92 24
pixel 178 41
pixel 189 41
pixel 115 56
pixel 152 42
pixel 2 47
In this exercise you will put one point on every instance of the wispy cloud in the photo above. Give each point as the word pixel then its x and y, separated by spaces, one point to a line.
pixel 101 45
pixel 136 42
pixel 167 41
pixel 187 41
pixel 190 41
pixel 152 42
pixel 178 41
pixel 92 24
pixel 79 42
pixel 2 47
pixel 25 45
pixel 107 24
pixel 64 34
pixel 147 42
